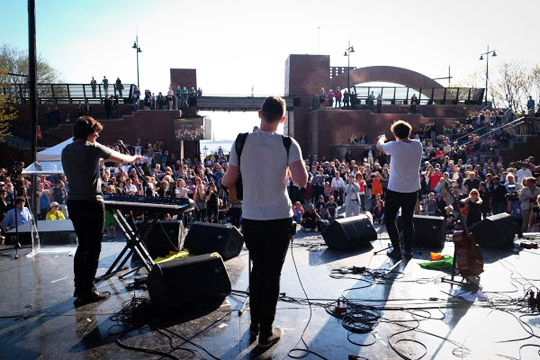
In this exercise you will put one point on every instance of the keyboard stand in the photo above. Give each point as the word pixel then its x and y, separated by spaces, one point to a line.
pixel 134 236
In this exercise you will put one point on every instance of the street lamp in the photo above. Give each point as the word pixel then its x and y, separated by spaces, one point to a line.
pixel 138 50
pixel 487 66
pixel 348 52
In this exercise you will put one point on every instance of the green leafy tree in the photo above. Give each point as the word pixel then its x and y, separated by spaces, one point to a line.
pixel 7 111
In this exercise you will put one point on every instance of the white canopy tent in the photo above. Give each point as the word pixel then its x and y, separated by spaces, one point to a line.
pixel 48 161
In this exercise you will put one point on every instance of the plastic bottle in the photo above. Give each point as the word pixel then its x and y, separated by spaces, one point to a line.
pixel 517 244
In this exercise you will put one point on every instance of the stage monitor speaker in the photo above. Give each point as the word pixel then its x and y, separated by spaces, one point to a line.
pixel 204 238
pixel 165 236
pixel 348 233
pixel 496 231
pixel 189 281
pixel 429 231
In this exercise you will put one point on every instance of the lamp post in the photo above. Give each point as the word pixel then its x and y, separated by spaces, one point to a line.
pixel 348 52
pixel 138 50
pixel 487 66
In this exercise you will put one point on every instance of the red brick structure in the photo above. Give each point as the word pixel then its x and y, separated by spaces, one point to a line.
pixel 184 77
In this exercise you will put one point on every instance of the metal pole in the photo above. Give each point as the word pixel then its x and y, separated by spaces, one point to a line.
pixel 348 67
pixel 487 73
pixel 32 68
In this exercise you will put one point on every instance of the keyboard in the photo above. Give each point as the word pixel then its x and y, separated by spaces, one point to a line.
pixel 147 203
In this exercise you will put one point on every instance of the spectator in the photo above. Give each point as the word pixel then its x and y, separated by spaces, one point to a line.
pixel 534 218
pixel 93 85
pixel 119 86
pixel 17 216
pixel 298 211
pixel 472 204
pixel 105 83
pixel 54 213
pixel 527 197
pixel 311 220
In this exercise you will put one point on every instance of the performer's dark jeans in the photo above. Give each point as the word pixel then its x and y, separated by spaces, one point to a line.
pixel 267 242
pixel 88 219
pixel 405 201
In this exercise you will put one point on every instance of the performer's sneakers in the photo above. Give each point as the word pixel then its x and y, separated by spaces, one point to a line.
pixel 266 342
pixel 253 331
pixel 394 253
pixel 93 296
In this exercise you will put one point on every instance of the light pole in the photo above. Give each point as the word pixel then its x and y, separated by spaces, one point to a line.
pixel 487 67
pixel 138 50
pixel 348 52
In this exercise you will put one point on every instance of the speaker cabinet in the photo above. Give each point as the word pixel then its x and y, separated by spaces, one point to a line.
pixel 190 281
pixel 165 236
pixel 204 238
pixel 496 231
pixel 349 233
pixel 429 231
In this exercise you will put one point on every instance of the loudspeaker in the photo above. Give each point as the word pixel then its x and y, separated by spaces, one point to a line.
pixel 429 231
pixel 348 233
pixel 165 236
pixel 204 238
pixel 496 231
pixel 188 281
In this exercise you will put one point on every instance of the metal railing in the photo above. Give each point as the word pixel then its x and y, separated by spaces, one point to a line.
pixel 486 128
pixel 68 93
pixel 424 96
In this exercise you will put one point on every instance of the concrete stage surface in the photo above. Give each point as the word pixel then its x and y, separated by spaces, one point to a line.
pixel 410 311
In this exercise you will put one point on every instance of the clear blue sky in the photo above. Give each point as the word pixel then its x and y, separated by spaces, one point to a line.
pixel 237 44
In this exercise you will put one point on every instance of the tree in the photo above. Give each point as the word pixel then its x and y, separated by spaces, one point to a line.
pixel 7 111
pixel 514 82
pixel 15 61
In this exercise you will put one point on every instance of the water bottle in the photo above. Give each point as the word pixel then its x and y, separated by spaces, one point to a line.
pixel 516 244
pixel 27 310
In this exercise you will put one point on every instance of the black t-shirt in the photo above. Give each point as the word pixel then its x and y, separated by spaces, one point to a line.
pixel 472 184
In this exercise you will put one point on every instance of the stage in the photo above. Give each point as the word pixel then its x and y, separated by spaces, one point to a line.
pixel 408 309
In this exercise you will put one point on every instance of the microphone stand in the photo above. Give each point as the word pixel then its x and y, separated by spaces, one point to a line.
pixel 139 172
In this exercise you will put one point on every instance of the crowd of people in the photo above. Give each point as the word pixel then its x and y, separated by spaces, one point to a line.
pixel 453 181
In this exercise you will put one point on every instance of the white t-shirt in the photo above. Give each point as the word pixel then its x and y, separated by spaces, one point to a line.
pixel 263 168
pixel 404 165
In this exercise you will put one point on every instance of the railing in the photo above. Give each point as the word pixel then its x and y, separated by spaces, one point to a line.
pixel 486 128
pixel 68 93
pixel 425 96
pixel 507 126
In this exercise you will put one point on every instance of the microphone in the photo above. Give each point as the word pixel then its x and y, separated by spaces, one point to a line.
pixel 121 143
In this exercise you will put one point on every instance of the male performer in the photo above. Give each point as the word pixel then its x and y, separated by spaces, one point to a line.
pixel 80 161
pixel 403 185
pixel 266 212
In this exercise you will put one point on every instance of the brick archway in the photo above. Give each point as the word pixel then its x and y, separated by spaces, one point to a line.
pixel 388 74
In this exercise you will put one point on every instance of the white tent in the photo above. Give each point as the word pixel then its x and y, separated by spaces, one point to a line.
pixel 48 161
pixel 54 152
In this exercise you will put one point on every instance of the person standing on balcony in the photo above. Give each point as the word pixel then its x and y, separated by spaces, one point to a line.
pixel 379 103
pixel 338 95
pixel 105 83
pixel 119 86
pixel 530 106
pixel 346 98
pixel 93 85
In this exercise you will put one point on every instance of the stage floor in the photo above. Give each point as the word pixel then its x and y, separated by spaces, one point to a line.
pixel 411 310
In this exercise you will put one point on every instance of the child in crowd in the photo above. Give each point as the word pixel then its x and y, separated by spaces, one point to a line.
pixel 430 205
pixel 378 210
pixel 298 211
pixel 450 217
pixel 327 191
pixel 330 209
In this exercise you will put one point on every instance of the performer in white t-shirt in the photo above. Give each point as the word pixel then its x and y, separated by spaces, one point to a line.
pixel 266 211
pixel 403 185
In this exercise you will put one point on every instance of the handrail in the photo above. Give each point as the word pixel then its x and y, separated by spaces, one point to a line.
pixel 482 128
pixel 509 125
pixel 67 92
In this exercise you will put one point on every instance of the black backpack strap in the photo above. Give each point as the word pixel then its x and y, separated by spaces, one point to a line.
pixel 287 143
pixel 239 144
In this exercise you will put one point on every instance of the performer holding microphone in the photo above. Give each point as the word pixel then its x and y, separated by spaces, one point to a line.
pixel 80 161
pixel 403 185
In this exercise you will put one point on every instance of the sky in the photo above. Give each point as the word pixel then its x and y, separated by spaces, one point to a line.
pixel 238 44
